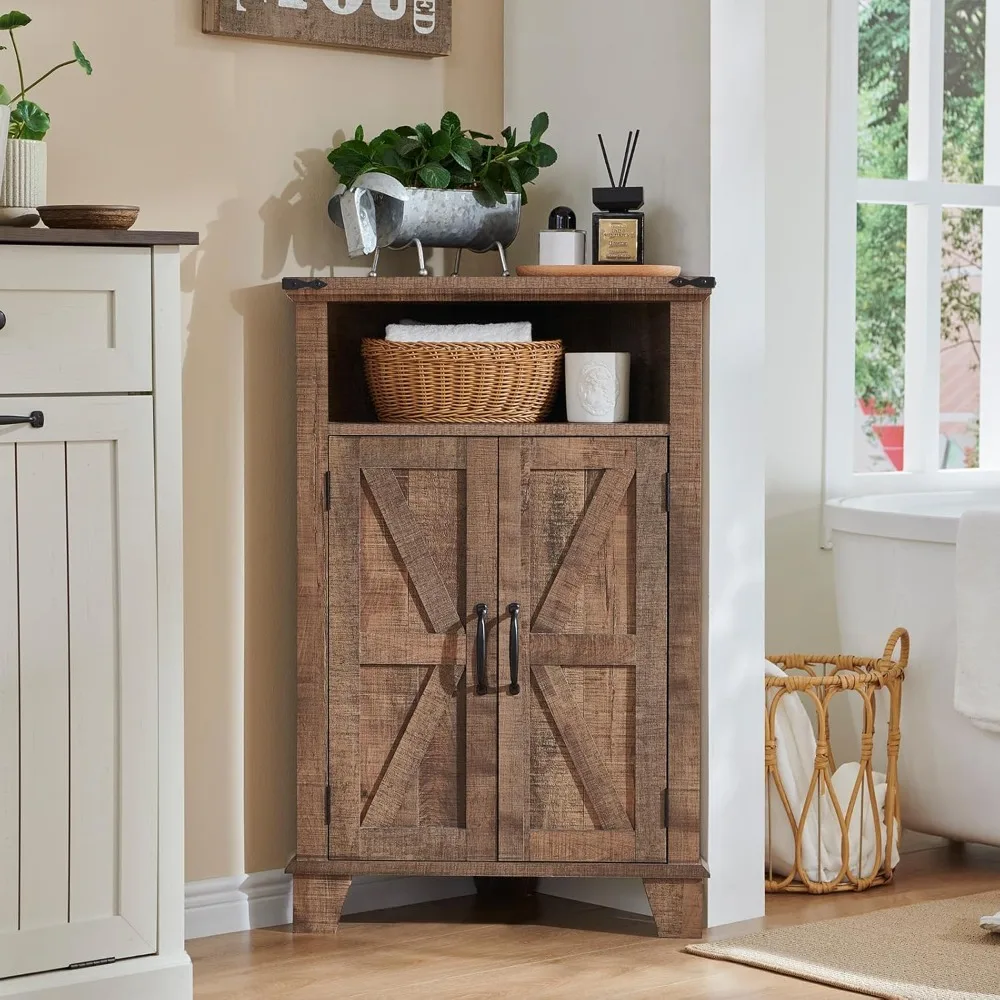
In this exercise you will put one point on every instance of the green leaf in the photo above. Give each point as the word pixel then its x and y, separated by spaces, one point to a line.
pixel 88 69
pixel 451 123
pixel 359 134
pixel 426 134
pixel 462 159
pixel 479 135
pixel 405 130
pixel 390 136
pixel 462 178
pixel 508 135
pixel 493 190
pixel 529 172
pixel 434 175
pixel 354 146
pixel 546 155
pixel 408 145
pixel 5 97
pixel 440 146
pixel 539 126
pixel 515 181
pixel 15 19
pixel 31 121
pixel 475 150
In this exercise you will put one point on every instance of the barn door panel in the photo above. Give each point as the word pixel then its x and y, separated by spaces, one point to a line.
pixel 583 553
pixel 413 552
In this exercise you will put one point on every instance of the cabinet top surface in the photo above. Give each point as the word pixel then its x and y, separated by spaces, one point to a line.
pixel 513 289
pixel 20 235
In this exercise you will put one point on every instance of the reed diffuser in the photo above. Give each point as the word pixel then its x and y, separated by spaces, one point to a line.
pixel 618 223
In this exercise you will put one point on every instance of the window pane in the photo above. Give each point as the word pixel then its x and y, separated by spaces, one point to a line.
pixel 880 338
pixel 883 87
pixel 964 86
pixel 961 283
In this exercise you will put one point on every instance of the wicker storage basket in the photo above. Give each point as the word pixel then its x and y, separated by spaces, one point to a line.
pixel 796 817
pixel 504 383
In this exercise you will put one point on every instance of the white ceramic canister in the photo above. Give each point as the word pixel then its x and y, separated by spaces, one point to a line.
pixel 597 387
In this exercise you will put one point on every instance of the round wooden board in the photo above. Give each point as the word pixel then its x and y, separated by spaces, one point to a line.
pixel 598 271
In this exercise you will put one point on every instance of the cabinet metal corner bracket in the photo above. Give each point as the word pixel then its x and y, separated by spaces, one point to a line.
pixel 701 281
pixel 296 284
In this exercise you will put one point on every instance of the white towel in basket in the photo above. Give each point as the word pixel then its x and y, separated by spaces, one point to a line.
pixel 821 838
pixel 475 333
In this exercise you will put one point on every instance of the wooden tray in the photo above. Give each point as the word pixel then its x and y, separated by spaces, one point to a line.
pixel 598 271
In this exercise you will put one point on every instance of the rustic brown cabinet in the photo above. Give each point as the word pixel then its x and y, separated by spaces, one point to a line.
pixel 499 625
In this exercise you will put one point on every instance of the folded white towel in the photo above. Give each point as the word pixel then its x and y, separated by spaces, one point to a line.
pixel 821 855
pixel 977 673
pixel 475 333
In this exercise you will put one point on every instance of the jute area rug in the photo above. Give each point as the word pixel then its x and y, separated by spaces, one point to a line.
pixel 927 951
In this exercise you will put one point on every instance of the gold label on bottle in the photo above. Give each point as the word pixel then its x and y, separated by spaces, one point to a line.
pixel 618 240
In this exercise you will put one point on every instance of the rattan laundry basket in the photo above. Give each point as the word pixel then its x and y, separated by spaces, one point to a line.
pixel 855 850
pixel 503 383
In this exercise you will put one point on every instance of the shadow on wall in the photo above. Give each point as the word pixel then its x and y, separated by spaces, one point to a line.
pixel 213 540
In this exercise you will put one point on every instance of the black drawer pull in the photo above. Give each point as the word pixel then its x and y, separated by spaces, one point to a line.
pixel 481 685
pixel 3 321
pixel 36 418
pixel 515 647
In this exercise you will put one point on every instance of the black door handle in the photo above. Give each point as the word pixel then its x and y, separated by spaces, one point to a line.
pixel 515 647
pixel 481 686
pixel 3 321
pixel 36 418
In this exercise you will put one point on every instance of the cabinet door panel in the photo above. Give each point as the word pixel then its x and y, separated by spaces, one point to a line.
pixel 77 685
pixel 412 551
pixel 583 551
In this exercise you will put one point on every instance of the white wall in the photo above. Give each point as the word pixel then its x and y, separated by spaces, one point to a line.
pixel 800 598
pixel 690 74
pixel 610 67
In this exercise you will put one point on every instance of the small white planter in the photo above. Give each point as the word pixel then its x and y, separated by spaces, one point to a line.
pixel 597 387
pixel 22 189
pixel 4 125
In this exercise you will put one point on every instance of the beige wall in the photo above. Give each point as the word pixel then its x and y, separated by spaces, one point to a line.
pixel 229 137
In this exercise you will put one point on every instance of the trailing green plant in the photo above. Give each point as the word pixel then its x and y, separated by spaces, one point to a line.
pixel 27 119
pixel 450 157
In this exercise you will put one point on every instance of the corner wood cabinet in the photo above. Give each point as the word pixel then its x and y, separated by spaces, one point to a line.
pixel 499 625
pixel 91 781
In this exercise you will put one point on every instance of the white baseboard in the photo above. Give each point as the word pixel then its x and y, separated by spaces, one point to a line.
pixel 618 893
pixel 264 899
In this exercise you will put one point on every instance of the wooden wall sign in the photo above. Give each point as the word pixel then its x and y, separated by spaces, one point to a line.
pixel 417 27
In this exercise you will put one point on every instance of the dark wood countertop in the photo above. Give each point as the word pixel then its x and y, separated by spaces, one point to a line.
pixel 41 236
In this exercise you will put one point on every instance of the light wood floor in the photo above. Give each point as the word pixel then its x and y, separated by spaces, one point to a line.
pixel 551 948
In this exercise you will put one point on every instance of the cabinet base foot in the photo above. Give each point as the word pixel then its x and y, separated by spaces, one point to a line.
pixel 678 907
pixel 317 902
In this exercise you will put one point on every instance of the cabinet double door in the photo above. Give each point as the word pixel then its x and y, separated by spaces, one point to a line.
pixel 498 648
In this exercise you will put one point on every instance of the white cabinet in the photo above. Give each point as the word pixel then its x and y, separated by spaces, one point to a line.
pixel 78 664
pixel 91 797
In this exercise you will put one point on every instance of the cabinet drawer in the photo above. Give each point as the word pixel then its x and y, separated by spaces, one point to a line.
pixel 78 319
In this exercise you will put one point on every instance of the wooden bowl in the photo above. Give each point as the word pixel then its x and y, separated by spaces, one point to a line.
pixel 89 216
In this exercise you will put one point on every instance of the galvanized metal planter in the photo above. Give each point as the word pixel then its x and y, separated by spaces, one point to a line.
pixel 377 212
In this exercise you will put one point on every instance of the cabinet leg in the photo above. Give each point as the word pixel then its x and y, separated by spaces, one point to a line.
pixel 678 907
pixel 317 902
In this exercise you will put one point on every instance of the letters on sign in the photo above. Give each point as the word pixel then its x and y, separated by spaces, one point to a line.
pixel 420 27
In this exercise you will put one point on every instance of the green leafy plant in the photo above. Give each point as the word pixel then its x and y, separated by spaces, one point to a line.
pixel 27 119
pixel 449 157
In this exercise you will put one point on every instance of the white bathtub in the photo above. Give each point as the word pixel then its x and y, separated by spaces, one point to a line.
pixel 894 559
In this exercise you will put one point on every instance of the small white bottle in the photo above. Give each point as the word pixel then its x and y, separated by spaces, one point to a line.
pixel 562 243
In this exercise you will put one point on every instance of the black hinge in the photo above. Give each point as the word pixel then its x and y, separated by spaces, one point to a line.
pixel 295 284
pixel 326 490
pixel 91 964
pixel 699 281
pixel 326 806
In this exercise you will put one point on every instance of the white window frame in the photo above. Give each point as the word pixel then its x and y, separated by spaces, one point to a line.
pixel 925 193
